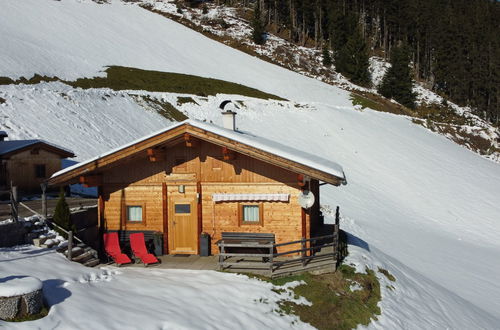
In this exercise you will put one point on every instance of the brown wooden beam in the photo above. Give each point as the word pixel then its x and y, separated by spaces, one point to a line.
pixel 90 180
pixel 152 156
pixel 191 141
pixel 228 154
pixel 165 217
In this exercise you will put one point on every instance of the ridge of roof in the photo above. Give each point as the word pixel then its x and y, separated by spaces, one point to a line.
pixel 13 145
pixel 264 144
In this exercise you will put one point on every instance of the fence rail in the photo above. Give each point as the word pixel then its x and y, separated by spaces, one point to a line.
pixel 308 252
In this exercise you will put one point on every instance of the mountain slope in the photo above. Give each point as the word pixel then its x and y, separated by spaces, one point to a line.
pixel 416 203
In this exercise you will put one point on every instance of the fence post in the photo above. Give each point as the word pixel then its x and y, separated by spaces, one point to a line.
pixel 303 243
pixel 70 244
pixel 336 237
pixel 337 216
pixel 14 203
pixel 271 259
pixel 221 255
pixel 44 199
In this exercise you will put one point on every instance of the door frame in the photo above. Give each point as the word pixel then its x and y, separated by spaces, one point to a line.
pixel 172 198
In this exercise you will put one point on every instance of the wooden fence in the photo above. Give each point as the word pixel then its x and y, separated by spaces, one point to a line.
pixel 311 254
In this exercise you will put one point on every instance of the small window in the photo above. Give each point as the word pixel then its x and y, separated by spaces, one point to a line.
pixel 134 213
pixel 40 171
pixel 251 214
pixel 182 208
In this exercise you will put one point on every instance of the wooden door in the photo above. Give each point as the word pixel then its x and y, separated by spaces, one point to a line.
pixel 183 222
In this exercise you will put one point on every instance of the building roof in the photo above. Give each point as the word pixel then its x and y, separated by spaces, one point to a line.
pixel 241 142
pixel 13 146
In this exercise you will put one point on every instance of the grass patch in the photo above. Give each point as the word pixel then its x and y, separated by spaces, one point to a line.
pixel 124 78
pixel 378 103
pixel 334 305
pixel 164 108
pixel 386 273
pixel 33 317
pixel 36 79
pixel 185 99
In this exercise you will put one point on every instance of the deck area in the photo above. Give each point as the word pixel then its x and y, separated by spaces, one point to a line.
pixel 195 262
pixel 323 262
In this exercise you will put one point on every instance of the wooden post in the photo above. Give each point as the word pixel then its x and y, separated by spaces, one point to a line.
pixel 221 255
pixel 337 216
pixel 70 244
pixel 336 237
pixel 303 243
pixel 44 200
pixel 14 203
pixel 271 259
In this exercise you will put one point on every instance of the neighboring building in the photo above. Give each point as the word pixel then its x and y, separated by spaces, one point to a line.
pixel 196 177
pixel 28 163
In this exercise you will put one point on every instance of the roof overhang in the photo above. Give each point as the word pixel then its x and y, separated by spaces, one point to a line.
pixel 63 153
pixel 200 131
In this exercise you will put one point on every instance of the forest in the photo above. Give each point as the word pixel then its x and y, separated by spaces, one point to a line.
pixel 453 45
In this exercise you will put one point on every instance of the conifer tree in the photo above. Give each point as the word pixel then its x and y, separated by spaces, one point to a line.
pixel 397 82
pixel 352 59
pixel 327 59
pixel 258 29
pixel 62 215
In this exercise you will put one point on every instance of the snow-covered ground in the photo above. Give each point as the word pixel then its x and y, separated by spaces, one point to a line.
pixel 416 204
pixel 146 298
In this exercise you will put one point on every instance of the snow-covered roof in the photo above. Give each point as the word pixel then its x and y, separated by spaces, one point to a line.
pixel 269 146
pixel 10 146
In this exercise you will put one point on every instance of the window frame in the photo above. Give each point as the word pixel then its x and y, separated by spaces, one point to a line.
pixel 44 166
pixel 250 223
pixel 142 205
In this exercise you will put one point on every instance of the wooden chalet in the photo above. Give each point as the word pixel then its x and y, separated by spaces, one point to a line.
pixel 28 163
pixel 196 177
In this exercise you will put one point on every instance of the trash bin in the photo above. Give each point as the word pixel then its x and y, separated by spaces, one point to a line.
pixel 204 245
pixel 158 243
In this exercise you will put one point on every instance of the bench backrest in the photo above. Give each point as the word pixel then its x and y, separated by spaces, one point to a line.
pixel 248 236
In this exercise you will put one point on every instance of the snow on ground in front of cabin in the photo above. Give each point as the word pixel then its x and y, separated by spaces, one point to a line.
pixel 151 298
pixel 415 204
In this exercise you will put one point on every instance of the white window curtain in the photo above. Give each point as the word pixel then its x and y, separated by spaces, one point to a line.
pixel 134 213
pixel 251 213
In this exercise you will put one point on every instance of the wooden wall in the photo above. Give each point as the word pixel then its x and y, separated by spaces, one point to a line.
pixel 141 180
pixel 21 169
pixel 281 218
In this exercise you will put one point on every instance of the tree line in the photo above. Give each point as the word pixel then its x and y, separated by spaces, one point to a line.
pixel 452 45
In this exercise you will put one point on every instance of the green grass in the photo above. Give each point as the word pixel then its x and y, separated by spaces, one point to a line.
pixel 183 100
pixel 33 317
pixel 386 273
pixel 164 108
pixel 334 305
pixel 124 78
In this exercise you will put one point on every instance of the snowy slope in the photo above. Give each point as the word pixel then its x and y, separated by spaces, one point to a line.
pixel 418 204
pixel 140 298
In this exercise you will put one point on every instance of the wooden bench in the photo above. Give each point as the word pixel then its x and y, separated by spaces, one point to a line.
pixel 234 244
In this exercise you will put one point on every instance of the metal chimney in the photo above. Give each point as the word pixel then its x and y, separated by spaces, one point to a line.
pixel 3 135
pixel 228 116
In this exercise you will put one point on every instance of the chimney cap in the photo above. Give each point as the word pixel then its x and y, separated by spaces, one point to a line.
pixel 3 134
pixel 223 105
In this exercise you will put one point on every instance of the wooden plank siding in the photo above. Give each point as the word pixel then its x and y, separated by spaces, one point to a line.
pixel 203 172
pixel 20 168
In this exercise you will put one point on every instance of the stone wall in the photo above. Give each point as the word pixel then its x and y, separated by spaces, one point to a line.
pixel 12 234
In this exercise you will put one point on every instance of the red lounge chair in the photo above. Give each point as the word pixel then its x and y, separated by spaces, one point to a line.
pixel 139 249
pixel 112 247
